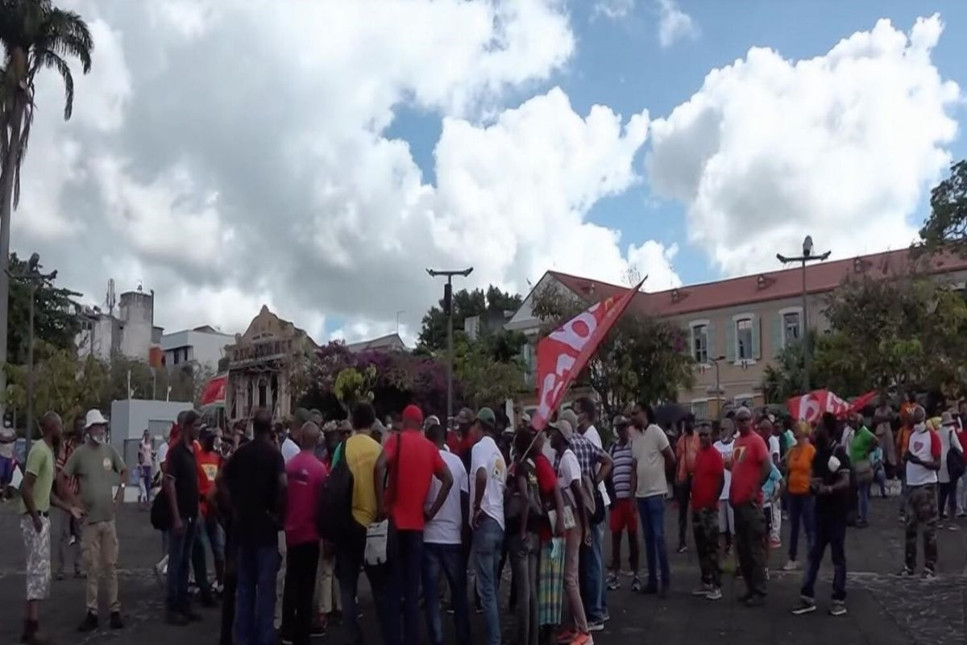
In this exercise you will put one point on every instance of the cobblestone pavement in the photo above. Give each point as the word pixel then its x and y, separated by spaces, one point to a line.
pixel 883 609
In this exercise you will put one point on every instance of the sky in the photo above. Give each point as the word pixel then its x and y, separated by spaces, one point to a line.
pixel 318 156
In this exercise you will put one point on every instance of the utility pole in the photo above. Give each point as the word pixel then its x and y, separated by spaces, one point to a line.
pixel 448 312
pixel 807 256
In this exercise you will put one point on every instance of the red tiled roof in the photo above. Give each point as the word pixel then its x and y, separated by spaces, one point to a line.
pixel 774 285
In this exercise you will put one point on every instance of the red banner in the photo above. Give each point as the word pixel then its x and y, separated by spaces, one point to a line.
pixel 863 400
pixel 214 391
pixel 563 354
pixel 811 407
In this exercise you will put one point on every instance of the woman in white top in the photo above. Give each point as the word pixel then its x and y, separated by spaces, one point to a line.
pixel 948 439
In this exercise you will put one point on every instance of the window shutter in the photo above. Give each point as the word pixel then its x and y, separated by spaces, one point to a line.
pixel 776 336
pixel 730 343
pixel 756 339
pixel 710 334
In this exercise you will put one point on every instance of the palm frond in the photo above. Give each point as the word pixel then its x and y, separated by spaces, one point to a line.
pixel 24 141
pixel 66 34
pixel 49 59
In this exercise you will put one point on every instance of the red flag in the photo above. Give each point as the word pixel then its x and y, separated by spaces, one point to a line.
pixel 810 407
pixel 862 401
pixel 563 354
pixel 214 391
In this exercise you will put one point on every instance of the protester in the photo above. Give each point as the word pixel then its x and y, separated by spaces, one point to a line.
pixel 569 481
pixel 443 545
pixel 37 494
pixel 883 418
pixel 256 489
pixel 181 489
pixel 801 501
pixel 751 466
pixel 488 477
pixel 686 451
pixel 145 459
pixel 623 514
pixel 68 527
pixel 726 517
pixel 831 482
pixel 922 459
pixel 98 468
pixel 861 447
pixel 327 600
pixel 770 434
pixel 772 491
pixel 903 441
pixel 209 462
pixel 947 487
pixel 708 480
pixel 8 438
pixel 652 456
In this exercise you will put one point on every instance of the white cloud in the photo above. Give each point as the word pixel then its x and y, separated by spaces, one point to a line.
pixel 842 146
pixel 614 8
pixel 674 24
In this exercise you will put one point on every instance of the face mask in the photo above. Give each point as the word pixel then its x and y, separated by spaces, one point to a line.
pixel 97 439
pixel 920 427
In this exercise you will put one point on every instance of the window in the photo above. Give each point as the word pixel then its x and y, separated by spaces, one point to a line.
pixel 700 343
pixel 700 409
pixel 177 357
pixel 791 327
pixel 743 338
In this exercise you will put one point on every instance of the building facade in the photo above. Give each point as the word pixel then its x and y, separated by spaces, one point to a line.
pixel 132 333
pixel 734 328
pixel 202 347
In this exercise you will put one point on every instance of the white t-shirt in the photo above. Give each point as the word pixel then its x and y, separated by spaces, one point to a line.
pixel 725 449
pixel 568 472
pixel 487 455
pixel 646 448
pixel 289 450
pixel 6 449
pixel 926 446
pixel 592 435
pixel 445 527
pixel 775 451
pixel 162 453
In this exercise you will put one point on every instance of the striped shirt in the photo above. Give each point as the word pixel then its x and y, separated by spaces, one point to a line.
pixel 621 472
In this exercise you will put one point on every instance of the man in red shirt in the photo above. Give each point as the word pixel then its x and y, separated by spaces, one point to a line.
pixel 412 461
pixel 460 440
pixel 750 466
pixel 708 479
pixel 209 460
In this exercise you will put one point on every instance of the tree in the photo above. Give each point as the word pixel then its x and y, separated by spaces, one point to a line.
pixel 489 305
pixel 354 385
pixel 55 314
pixel 483 379
pixel 947 224
pixel 35 36
pixel 641 359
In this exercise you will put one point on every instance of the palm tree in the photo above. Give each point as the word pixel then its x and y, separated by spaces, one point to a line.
pixel 35 35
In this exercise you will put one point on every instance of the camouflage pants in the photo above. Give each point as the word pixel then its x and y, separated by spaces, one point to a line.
pixel 921 512
pixel 750 532
pixel 37 547
pixel 705 525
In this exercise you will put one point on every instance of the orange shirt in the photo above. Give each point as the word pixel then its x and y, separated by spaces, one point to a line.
pixel 800 461
pixel 902 442
pixel 208 465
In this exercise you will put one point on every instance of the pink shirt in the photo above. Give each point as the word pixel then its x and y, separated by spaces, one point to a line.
pixel 306 475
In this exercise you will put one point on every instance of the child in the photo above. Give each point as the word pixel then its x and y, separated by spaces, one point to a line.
pixel 771 493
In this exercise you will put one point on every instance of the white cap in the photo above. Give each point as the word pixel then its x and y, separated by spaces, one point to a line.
pixel 94 418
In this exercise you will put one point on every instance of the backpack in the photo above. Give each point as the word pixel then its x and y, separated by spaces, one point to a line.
pixel 161 511
pixel 955 461
pixel 334 519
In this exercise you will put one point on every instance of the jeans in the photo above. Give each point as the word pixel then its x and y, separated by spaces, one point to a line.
pixel 349 560
pixel 300 582
pixel 257 567
pixel 592 576
pixel 406 563
pixel 651 510
pixel 228 592
pixel 180 545
pixel 449 558
pixel 832 532
pixel 524 556
pixel 863 490
pixel 947 500
pixel 801 511
pixel 488 539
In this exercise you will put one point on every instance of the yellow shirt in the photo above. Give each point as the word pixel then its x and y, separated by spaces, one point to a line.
pixel 361 455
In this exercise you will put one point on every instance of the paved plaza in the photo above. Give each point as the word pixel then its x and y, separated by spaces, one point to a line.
pixel 883 609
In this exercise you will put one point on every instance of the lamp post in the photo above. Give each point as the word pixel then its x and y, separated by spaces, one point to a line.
pixel 807 256
pixel 448 312
pixel 718 386
pixel 33 276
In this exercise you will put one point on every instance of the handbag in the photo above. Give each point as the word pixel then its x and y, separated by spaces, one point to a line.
pixel 955 461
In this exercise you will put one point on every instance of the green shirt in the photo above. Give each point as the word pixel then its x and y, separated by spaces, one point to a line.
pixel 859 448
pixel 40 463
pixel 97 469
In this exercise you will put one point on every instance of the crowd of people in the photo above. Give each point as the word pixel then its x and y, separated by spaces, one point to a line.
pixel 291 514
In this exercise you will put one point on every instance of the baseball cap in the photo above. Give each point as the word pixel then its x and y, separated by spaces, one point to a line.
pixel 947 419
pixel 570 416
pixel 620 420
pixel 564 427
pixel 743 413
pixel 432 420
pixel 464 416
pixel 413 414
pixel 486 415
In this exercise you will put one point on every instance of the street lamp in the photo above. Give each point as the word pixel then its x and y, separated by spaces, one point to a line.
pixel 33 276
pixel 718 386
pixel 807 256
pixel 448 312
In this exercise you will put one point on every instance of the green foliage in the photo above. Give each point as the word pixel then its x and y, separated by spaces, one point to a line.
pixel 354 385
pixel 489 305
pixel 56 322
pixel 946 227
pixel 483 379
pixel 639 360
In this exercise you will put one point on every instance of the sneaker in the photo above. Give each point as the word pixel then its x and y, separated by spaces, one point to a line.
pixel 953 527
pixel 805 606
pixel 116 622
pixel 792 565
pixel 928 574
pixel 755 600
pixel 714 594
pixel 682 548
pixel 775 543
pixel 160 571
pixel 567 636
pixel 595 625
pixel 906 572
pixel 838 608
pixel 605 617
pixel 636 584
pixel 89 624
pixel 613 583
pixel 704 590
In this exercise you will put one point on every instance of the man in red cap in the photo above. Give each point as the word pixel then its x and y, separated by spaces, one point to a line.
pixel 410 452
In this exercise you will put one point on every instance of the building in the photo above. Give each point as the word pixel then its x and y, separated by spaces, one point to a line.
pixel 734 328
pixel 388 343
pixel 202 347
pixel 132 333
pixel 264 364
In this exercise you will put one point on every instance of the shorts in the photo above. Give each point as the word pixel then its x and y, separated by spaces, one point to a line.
pixel 623 516
pixel 6 471
pixel 37 548
pixel 726 517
